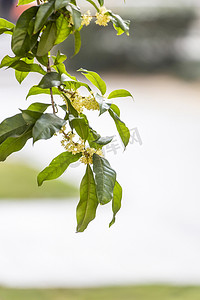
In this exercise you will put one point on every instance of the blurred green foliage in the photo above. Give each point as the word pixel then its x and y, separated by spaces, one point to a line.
pixel 18 181
pixel 108 293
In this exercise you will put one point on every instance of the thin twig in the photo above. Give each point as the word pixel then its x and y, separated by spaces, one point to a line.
pixel 51 92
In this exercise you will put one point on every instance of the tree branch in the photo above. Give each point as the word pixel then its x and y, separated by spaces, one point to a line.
pixel 51 92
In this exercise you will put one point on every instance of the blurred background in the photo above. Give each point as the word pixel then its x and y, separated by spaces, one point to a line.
pixel 154 246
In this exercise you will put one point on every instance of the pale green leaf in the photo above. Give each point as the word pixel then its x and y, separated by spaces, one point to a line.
pixel 63 30
pixel 95 79
pixel 35 90
pixel 121 128
pixel 57 166
pixel 119 93
pixel 22 2
pixel 6 26
pixel 116 202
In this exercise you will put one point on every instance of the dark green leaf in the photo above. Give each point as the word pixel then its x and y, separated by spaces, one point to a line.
pixel 38 106
pixel 12 126
pixel 119 93
pixel 86 209
pixel 46 126
pixel 6 27
pixel 105 178
pixel 30 116
pixel 44 60
pixel 92 136
pixel 95 79
pixel 121 128
pixel 63 29
pixel 81 127
pixel 20 76
pixel 23 66
pixel 101 2
pixel 76 15
pixel 50 80
pixel 47 39
pixel 103 105
pixel 21 41
pixel 71 109
pixel 60 4
pixel 14 143
pixel 116 202
pixel 104 140
pixel 35 90
pixel 57 166
pixel 42 15
pixel 77 41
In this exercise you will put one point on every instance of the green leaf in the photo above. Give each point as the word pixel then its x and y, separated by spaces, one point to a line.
pixel 101 2
pixel 71 109
pixel 105 178
pixel 21 41
pixel 46 126
pixel 57 166
pixel 38 106
pixel 35 90
pixel 59 58
pixel 116 109
pixel 50 80
pixel 7 61
pixel 119 93
pixel 42 15
pixel 30 116
pixel 76 15
pixel 92 2
pixel 121 128
pixel 63 30
pixel 77 42
pixel 86 209
pixel 6 27
pixel 47 39
pixel 95 79
pixel 81 126
pixel 103 105
pixel 120 23
pixel 116 202
pixel 62 70
pixel 22 2
pixel 14 143
pixel 23 66
pixel 60 4
pixel 92 136
pixel 104 140
pixel 20 76
pixel 44 60
pixel 12 126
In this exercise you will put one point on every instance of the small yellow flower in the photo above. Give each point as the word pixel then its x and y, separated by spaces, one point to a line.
pixel 102 18
pixel 86 19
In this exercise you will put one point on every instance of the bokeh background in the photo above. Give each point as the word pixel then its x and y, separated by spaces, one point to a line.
pixel 156 236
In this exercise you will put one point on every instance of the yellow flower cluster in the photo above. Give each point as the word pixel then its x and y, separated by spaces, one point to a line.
pixel 86 19
pixel 71 146
pixel 79 147
pixel 79 102
pixel 102 18
pixel 88 153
